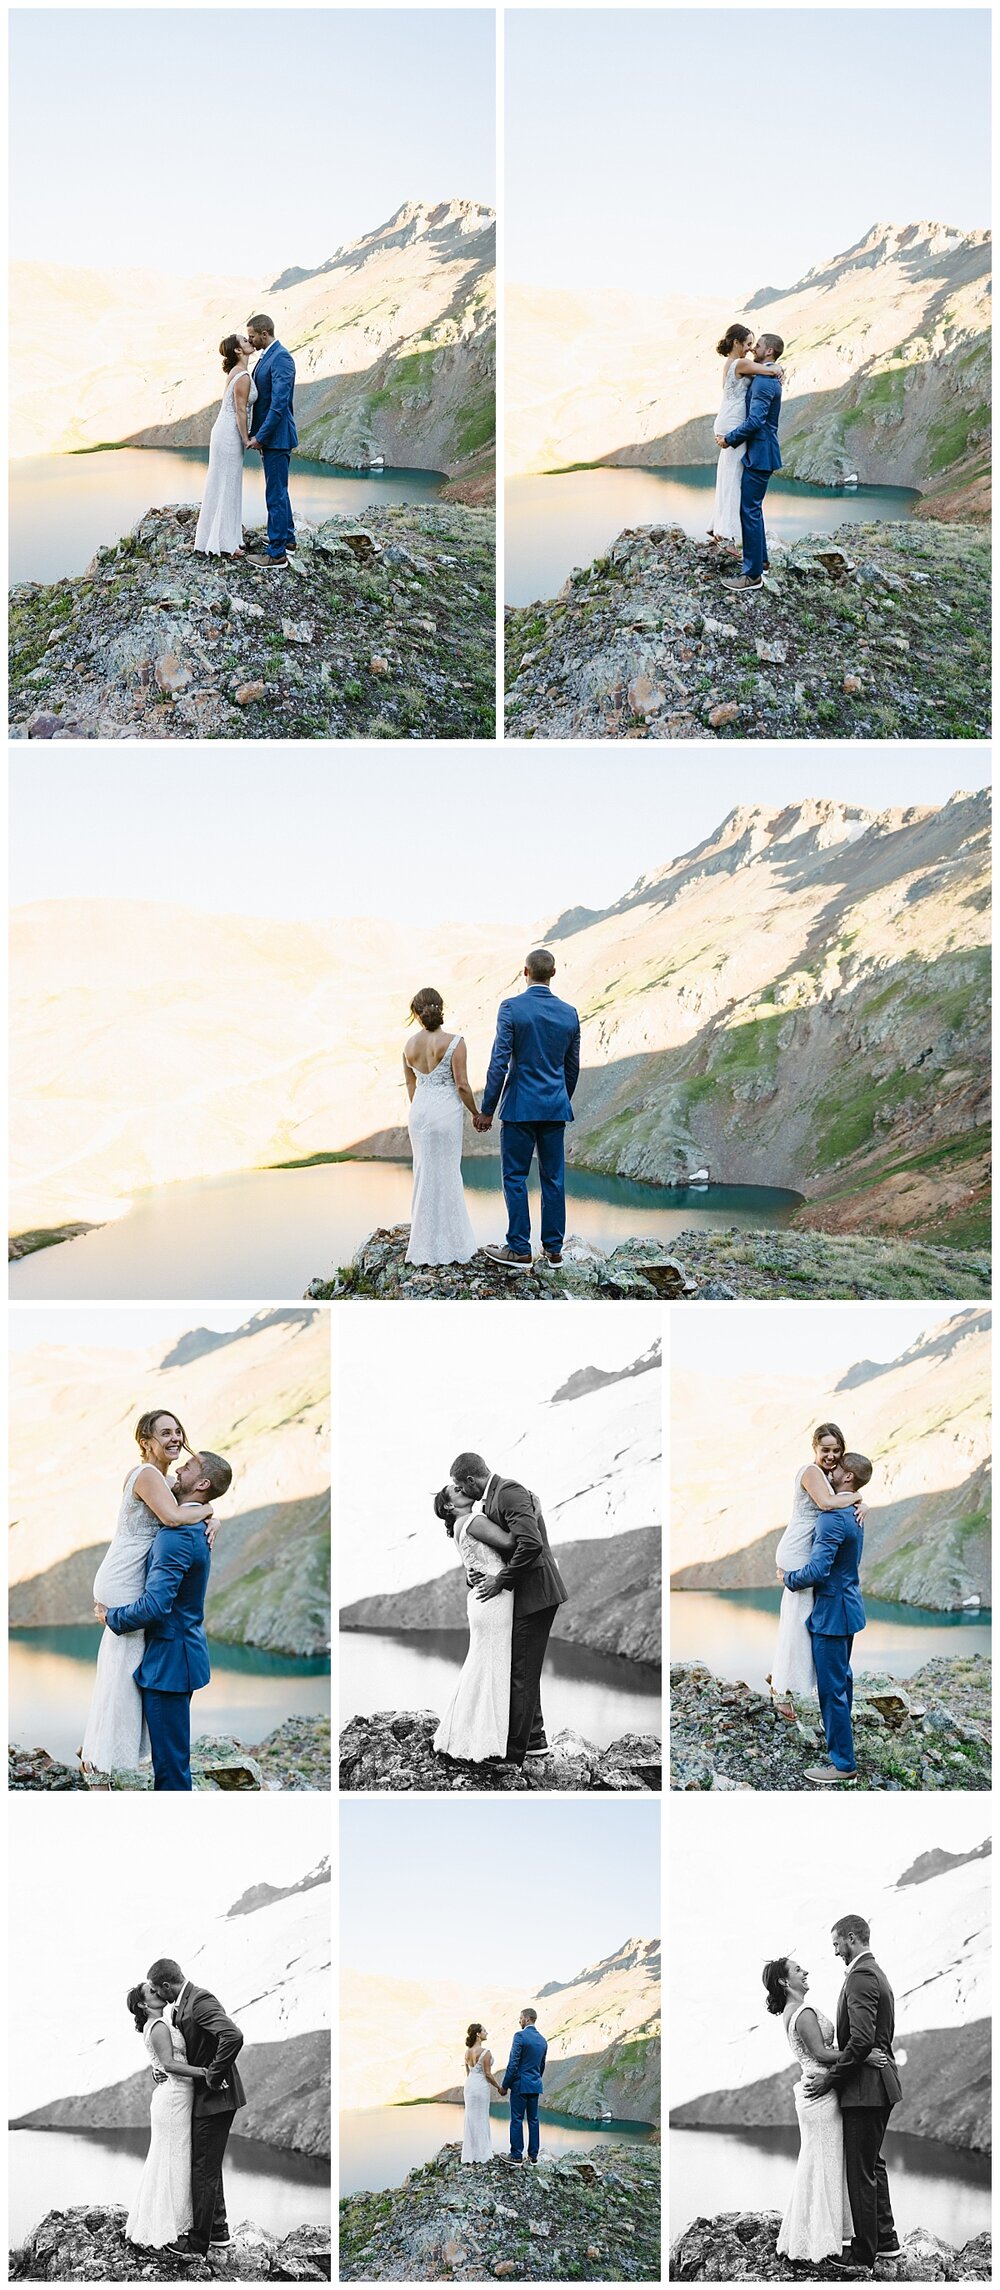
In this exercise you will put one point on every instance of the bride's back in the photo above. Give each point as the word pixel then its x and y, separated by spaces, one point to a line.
pixel 424 1052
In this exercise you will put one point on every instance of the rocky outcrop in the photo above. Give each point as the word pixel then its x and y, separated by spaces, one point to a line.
pixel 295 1756
pixel 710 1266
pixel 739 2246
pixel 590 2218
pixel 393 1751
pixel 946 2092
pixel 381 631
pixel 87 2244
pixel 931 1731
pixel 614 1586
pixel 870 632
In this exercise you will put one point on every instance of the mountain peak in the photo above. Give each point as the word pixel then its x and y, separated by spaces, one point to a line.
pixel 594 1379
pixel 454 219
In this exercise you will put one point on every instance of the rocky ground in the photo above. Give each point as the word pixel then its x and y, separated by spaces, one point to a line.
pixel 701 1266
pixel 931 1731
pixel 88 2245
pixel 872 632
pixel 295 1756
pixel 739 2246
pixel 583 2218
pixel 392 1750
pixel 384 630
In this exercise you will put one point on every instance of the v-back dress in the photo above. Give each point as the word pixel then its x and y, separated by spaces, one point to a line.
pixel 729 474
pixel 440 1229
pixel 476 1721
pixel 817 2221
pixel 477 2140
pixel 162 2208
pixel 220 524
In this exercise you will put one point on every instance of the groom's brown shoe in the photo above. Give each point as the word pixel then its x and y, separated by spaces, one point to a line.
pixel 828 1775
pixel 508 1261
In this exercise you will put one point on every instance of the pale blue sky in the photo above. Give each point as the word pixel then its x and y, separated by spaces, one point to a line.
pixel 588 1875
pixel 116 1327
pixel 673 151
pixel 820 1340
pixel 240 140
pixel 290 833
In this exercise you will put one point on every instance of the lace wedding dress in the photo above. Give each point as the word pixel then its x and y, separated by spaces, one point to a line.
pixel 475 1723
pixel 440 1231
pixel 794 1670
pixel 220 525
pixel 728 477
pixel 116 1733
pixel 477 2139
pixel 162 2207
pixel 818 2220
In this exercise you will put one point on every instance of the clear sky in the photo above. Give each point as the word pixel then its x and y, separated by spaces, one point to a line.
pixel 585 1875
pixel 286 832
pixel 115 1327
pixel 716 151
pixel 240 140
pixel 821 1340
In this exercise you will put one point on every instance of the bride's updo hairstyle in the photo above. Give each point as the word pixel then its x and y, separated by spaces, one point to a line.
pixel 135 2003
pixel 776 1983
pixel 230 351
pixel 829 1431
pixel 144 1428
pixel 444 1510
pixel 428 1009
pixel 734 338
pixel 475 2028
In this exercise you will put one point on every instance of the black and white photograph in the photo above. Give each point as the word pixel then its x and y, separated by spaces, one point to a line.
pixel 169 2045
pixel 499 1551
pixel 830 2042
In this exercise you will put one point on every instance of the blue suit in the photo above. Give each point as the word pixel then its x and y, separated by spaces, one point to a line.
pixel 838 1613
pixel 272 423
pixel 522 2078
pixel 533 1071
pixel 759 433
pixel 175 1660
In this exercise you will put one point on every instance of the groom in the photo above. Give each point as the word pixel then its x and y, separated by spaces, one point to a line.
pixel 171 1611
pixel 522 2083
pixel 838 1613
pixel 538 1588
pixel 272 435
pixel 211 2041
pixel 533 1071
pixel 759 433
pixel 866 2020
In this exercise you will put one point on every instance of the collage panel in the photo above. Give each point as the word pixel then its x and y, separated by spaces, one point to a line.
pixel 500 2073
pixel 500 1613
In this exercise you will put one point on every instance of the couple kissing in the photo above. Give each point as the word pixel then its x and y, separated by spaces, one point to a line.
pixel 514 1592
pixel 180 2202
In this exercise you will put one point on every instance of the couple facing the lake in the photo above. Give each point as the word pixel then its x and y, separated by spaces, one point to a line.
pixel 839 2215
pixel 149 1592
pixel 533 1071
pixel 746 432
pixel 514 1591
pixel 258 414
pixel 819 1567
pixel 522 2086
pixel 180 2202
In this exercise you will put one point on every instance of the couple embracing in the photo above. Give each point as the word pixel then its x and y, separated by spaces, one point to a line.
pixel 522 2086
pixel 746 432
pixel 839 2214
pixel 257 414
pixel 180 2202
pixel 819 1568
pixel 514 1592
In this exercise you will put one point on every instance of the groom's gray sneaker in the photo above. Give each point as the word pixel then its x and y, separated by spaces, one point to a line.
pixel 268 564
pixel 510 1262
pixel 829 1774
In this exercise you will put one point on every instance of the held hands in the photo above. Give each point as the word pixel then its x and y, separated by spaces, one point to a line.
pixel 482 1122
pixel 100 1611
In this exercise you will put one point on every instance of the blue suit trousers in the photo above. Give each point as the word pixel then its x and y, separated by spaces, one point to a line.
pixel 168 1717
pixel 519 1142
pixel 523 2103
pixel 753 486
pixel 835 1682
pixel 280 526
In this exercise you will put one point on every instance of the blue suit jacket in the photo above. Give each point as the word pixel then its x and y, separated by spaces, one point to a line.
pixel 838 1607
pixel 171 1611
pixel 759 432
pixel 526 2065
pixel 272 420
pixel 535 1065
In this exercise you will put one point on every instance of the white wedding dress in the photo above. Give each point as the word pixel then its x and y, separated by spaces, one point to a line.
pixel 794 1670
pixel 475 1723
pixel 818 2220
pixel 477 2139
pixel 440 1231
pixel 220 525
pixel 728 477
pixel 162 2207
pixel 116 1735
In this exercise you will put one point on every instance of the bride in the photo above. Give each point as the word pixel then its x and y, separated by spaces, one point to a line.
pixel 794 1671
pixel 738 370
pixel 477 1719
pixel 477 2142
pixel 116 1737
pixel 817 2222
pixel 437 1082
pixel 220 525
pixel 162 2208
